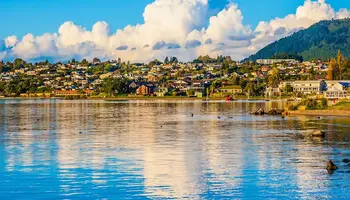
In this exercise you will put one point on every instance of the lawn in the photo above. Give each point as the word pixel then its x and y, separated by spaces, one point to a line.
pixel 340 106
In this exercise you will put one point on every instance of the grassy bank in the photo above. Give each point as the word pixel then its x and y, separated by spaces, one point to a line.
pixel 340 109
pixel 341 106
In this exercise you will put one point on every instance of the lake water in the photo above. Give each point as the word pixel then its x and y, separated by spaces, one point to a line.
pixel 56 149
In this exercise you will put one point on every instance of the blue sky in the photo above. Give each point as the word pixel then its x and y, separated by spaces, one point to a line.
pixel 19 17
pixel 29 27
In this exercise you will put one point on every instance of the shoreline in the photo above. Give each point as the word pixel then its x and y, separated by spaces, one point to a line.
pixel 146 98
pixel 333 113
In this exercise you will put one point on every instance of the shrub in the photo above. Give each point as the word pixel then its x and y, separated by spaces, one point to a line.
pixel 324 103
pixel 293 107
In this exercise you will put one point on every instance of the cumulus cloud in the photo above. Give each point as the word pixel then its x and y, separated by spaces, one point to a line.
pixel 10 41
pixel 171 28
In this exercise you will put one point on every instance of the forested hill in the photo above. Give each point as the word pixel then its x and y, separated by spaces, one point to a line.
pixel 320 41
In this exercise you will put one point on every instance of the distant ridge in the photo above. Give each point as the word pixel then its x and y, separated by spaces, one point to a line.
pixel 320 41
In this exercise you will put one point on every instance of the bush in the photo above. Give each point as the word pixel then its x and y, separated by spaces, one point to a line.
pixel 324 103
pixel 293 107
pixel 310 104
pixel 313 104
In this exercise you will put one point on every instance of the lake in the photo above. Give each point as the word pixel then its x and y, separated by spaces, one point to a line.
pixel 56 149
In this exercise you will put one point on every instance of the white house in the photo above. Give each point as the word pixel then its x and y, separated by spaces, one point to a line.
pixel 337 89
pixel 308 87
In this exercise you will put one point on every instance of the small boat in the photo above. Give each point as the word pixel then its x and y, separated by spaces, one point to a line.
pixel 229 99
pixel 267 100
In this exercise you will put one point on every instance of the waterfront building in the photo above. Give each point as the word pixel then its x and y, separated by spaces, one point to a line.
pixel 308 87
pixel 275 61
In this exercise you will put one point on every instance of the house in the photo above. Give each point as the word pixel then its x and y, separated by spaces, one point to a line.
pixel 308 87
pixel 64 93
pixel 161 91
pixel 195 92
pixel 273 91
pixel 145 90
pixel 335 93
pixel 231 89
pixel 337 89
pixel 265 69
pixel 285 86
pixel 275 61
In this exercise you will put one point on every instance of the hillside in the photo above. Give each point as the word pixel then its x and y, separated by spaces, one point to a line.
pixel 322 40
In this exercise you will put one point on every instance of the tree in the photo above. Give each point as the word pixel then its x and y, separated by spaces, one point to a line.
pixel 173 60
pixel 249 89
pixel 18 63
pixel 213 86
pixel 73 61
pixel 331 69
pixel 225 65
pixel 1 66
pixel 234 79
pixel 274 77
pixel 96 60
pixel 243 83
pixel 166 60
pixel 112 86
pixel 84 62
pixel 154 62
pixel 340 60
pixel 119 60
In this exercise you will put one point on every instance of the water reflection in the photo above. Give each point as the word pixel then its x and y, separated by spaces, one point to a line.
pixel 142 149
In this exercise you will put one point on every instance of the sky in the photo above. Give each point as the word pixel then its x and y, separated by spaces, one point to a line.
pixel 142 30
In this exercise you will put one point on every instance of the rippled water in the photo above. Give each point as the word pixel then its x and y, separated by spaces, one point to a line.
pixel 55 149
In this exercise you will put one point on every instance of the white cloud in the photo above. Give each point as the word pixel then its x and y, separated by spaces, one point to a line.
pixel 171 28
pixel 10 41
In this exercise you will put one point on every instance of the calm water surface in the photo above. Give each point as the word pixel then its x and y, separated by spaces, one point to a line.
pixel 55 149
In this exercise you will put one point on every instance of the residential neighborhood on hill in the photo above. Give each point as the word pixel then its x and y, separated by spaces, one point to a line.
pixel 204 77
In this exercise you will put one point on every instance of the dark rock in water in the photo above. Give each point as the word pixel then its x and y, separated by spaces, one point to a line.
pixel 313 134
pixel 258 112
pixel 191 114
pixel 318 133
pixel 275 111
pixel 331 166
pixel 219 117
pixel 346 160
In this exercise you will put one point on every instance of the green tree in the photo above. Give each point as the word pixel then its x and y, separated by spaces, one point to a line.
pixel 113 86
pixel 340 60
pixel 84 62
pixel 331 69
pixel 274 78
pixel 96 60
pixel 243 83
pixel 173 60
pixel 249 89
pixel 166 60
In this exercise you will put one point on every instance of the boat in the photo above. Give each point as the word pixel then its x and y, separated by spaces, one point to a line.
pixel 229 99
